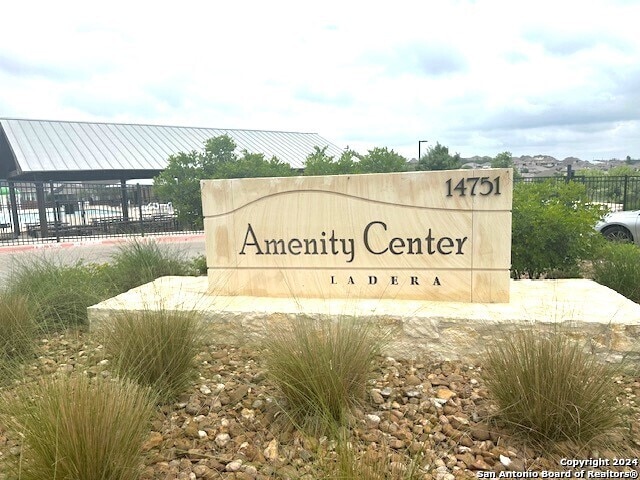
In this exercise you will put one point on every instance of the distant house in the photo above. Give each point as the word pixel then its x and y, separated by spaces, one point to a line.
pixel 472 165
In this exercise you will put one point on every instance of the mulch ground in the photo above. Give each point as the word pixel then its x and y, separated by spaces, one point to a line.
pixel 229 425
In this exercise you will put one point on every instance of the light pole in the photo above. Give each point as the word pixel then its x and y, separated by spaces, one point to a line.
pixel 420 142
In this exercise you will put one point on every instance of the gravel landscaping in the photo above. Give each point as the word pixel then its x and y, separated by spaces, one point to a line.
pixel 228 425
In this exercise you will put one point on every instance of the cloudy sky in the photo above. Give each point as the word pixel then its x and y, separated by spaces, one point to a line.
pixel 532 77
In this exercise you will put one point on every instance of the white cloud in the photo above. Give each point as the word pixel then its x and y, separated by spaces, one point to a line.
pixel 479 76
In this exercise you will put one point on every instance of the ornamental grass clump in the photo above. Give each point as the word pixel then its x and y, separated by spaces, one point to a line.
pixel 321 368
pixel 78 428
pixel 373 462
pixel 17 335
pixel 58 294
pixel 618 267
pixel 549 390
pixel 140 262
pixel 155 348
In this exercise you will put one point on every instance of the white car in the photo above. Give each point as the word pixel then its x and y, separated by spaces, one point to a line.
pixel 621 226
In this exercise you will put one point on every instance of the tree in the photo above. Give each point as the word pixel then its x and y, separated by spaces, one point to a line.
pixel 622 170
pixel 505 160
pixel 252 165
pixel 502 160
pixel 180 181
pixel 590 172
pixel 438 158
pixel 319 163
pixel 382 160
pixel 377 160
pixel 180 184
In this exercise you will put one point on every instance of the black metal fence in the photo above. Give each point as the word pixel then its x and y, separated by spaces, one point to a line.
pixel 55 211
pixel 615 192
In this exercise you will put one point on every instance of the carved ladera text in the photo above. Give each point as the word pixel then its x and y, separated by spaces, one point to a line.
pixel 412 280
pixel 327 243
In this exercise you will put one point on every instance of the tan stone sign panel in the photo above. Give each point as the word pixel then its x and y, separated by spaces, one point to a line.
pixel 419 235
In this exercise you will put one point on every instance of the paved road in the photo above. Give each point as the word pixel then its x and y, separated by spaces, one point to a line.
pixel 98 250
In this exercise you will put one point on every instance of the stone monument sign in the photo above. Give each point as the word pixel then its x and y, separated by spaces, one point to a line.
pixel 442 235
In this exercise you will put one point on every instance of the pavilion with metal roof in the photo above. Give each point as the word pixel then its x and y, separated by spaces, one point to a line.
pixel 44 150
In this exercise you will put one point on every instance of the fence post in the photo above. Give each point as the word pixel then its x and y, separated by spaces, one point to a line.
pixel 570 174
pixel 13 199
pixel 42 210
pixel 624 192
pixel 56 212
pixel 124 200
pixel 138 193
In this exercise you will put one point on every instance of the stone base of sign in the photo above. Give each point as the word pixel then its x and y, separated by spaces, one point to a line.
pixel 445 330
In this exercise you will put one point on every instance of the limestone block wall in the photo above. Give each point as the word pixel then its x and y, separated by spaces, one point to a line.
pixel 445 330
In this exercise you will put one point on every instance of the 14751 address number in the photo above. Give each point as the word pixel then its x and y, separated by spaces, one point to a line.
pixel 473 186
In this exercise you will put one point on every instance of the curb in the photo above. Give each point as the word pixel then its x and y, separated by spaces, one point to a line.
pixel 100 241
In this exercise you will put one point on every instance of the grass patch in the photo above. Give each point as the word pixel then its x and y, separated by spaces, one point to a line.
pixel 155 348
pixel 618 267
pixel 140 262
pixel 58 294
pixel 17 335
pixel 322 367
pixel 17 327
pixel 73 427
pixel 375 462
pixel 549 390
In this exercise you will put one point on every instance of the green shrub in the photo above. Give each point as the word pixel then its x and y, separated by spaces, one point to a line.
pixel 17 335
pixel 321 368
pixel 155 348
pixel 552 229
pixel 618 267
pixel 199 265
pixel 140 262
pixel 59 294
pixel 75 428
pixel 548 389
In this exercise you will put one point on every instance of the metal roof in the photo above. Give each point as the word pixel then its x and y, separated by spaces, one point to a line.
pixel 59 147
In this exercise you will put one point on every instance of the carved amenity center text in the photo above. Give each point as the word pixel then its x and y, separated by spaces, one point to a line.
pixel 327 243
pixel 441 235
